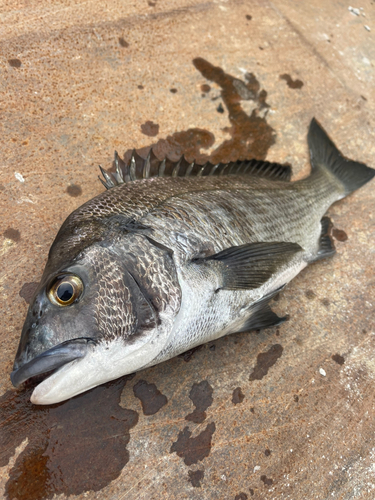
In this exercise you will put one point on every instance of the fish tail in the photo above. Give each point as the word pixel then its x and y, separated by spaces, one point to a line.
pixel 350 175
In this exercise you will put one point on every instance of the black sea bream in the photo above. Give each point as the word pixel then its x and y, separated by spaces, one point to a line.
pixel 173 255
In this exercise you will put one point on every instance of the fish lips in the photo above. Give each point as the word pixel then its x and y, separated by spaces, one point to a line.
pixel 50 360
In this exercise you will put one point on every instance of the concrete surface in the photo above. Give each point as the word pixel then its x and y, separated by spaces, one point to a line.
pixel 286 413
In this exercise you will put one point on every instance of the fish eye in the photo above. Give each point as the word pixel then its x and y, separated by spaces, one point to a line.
pixel 64 290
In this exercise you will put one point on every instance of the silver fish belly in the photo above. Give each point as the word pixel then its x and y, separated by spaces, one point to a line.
pixel 171 256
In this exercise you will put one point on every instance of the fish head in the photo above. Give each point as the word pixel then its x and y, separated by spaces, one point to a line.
pixel 93 318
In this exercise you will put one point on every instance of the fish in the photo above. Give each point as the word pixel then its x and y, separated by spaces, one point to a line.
pixel 173 255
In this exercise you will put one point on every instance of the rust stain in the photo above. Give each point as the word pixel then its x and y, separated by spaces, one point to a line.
pixel 28 290
pixel 74 190
pixel 292 84
pixel 193 450
pixel 152 400
pixel 339 234
pixel 150 128
pixel 237 396
pixel 264 362
pixel 340 360
pixel 73 447
pixel 12 234
pixel 201 395
pixel 195 477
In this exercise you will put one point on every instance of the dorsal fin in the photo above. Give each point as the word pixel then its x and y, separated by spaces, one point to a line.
pixel 143 168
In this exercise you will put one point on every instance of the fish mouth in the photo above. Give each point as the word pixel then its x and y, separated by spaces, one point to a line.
pixel 51 360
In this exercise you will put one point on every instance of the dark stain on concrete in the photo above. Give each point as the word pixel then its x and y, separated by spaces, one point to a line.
pixel 152 400
pixel 325 302
pixel 292 84
pixel 201 395
pixel 248 17
pixel 195 477
pixel 241 496
pixel 150 128
pixel 193 450
pixel 173 90
pixel 140 87
pixel 340 360
pixel 237 396
pixel 310 294
pixel 187 355
pixel 123 42
pixel 12 234
pixel 339 234
pixel 73 447
pixel 296 398
pixel 74 190
pixel 28 290
pixel 265 360
pixel 267 452
pixel 251 135
pixel 15 63
pixel 266 480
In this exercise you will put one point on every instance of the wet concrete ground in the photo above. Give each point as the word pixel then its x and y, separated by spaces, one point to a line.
pixel 285 413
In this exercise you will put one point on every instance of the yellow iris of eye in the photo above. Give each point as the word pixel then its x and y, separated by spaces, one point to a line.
pixel 65 290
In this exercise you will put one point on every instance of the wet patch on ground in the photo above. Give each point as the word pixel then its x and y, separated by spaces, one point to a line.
pixel 12 234
pixel 152 400
pixel 292 84
pixel 337 358
pixel 339 234
pixel 187 355
pixel 193 450
pixel 28 290
pixel 265 360
pixel 14 63
pixel 75 446
pixel 241 496
pixel 266 480
pixel 195 477
pixel 251 136
pixel 123 42
pixel 237 396
pixel 201 395
pixel 150 128
pixel 74 190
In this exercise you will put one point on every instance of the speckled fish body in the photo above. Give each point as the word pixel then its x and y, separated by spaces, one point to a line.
pixel 172 256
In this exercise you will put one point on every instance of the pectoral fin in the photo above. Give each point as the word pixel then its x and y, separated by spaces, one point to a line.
pixel 250 266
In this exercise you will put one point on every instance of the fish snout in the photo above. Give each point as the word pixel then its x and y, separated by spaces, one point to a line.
pixel 50 360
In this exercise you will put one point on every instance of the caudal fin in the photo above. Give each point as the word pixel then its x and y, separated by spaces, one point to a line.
pixel 325 155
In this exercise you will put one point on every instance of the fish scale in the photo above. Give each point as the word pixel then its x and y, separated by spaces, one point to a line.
pixel 172 255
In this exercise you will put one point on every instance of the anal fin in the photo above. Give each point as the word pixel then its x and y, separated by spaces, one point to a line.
pixel 326 244
pixel 263 318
